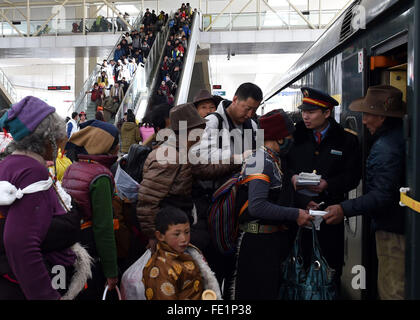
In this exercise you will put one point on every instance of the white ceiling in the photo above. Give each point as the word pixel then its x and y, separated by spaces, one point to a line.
pixel 262 69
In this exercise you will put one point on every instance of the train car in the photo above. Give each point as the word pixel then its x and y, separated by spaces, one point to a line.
pixel 373 42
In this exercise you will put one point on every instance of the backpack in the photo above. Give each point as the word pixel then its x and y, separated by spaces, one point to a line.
pixel 225 210
pixel 246 125
pixel 130 240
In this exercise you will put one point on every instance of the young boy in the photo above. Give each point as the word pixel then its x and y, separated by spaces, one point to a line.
pixel 176 270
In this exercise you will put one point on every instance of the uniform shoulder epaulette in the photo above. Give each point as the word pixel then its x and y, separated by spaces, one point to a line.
pixel 351 131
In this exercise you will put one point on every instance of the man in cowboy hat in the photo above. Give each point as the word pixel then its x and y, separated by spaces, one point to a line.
pixel 321 144
pixel 205 103
pixel 382 109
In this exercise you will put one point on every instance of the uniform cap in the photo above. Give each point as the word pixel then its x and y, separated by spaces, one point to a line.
pixel 316 99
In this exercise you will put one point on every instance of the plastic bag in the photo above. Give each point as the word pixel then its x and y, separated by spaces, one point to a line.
pixel 146 132
pixel 127 187
pixel 132 287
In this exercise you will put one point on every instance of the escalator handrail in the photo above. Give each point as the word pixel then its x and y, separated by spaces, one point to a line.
pixel 194 29
pixel 155 72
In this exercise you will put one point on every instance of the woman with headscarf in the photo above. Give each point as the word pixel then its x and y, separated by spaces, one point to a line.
pixel 265 239
pixel 90 183
pixel 36 233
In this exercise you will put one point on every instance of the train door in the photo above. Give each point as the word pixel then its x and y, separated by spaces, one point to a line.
pixel 387 66
pixel 354 86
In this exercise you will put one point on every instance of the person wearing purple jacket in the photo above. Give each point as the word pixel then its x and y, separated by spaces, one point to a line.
pixel 29 247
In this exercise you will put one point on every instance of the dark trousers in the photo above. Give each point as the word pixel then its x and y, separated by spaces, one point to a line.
pixel 259 265
pixel 224 267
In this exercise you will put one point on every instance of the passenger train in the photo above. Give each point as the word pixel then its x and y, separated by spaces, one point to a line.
pixel 373 42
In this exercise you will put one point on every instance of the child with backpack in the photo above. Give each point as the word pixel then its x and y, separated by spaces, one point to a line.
pixel 177 269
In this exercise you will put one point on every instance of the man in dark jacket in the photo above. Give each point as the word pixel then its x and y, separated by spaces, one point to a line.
pixel 382 109
pixel 321 144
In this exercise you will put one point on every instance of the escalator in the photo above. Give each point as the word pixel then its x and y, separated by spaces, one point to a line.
pixel 146 102
pixel 83 102
pixel 137 95
pixel 7 92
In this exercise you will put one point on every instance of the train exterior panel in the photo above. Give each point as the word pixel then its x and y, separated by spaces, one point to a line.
pixel 343 62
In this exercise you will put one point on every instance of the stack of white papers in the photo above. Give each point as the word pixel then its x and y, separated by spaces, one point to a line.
pixel 308 179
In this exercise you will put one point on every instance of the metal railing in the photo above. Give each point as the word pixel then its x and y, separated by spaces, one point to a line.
pixel 65 26
pixel 188 63
pixel 8 86
pixel 282 19
pixel 81 102
pixel 139 92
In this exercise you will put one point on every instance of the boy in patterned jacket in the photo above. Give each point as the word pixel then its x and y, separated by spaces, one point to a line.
pixel 177 269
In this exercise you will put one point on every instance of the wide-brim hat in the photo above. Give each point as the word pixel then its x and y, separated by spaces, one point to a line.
pixel 203 95
pixel 381 100
pixel 185 112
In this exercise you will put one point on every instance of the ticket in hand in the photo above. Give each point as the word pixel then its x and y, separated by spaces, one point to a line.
pixel 318 218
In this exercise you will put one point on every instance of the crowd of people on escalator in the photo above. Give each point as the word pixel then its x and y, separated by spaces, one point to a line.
pixel 173 56
pixel 115 75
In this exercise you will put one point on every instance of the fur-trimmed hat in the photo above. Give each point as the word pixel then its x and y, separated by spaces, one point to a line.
pixel 276 124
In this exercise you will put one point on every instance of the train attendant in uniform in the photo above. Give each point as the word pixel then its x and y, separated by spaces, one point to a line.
pixel 323 145
pixel 265 240
pixel 382 109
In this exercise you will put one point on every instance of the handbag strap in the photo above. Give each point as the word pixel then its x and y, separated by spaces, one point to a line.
pixel 106 290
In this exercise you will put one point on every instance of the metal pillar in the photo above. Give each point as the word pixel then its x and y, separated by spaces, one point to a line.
pixel 258 14
pixel 84 18
pixel 28 19
pixel 412 233
pixel 319 15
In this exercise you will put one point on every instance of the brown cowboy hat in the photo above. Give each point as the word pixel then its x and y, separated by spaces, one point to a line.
pixel 203 95
pixel 382 100
pixel 185 112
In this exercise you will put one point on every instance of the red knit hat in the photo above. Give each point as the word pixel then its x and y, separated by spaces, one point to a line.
pixel 276 124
